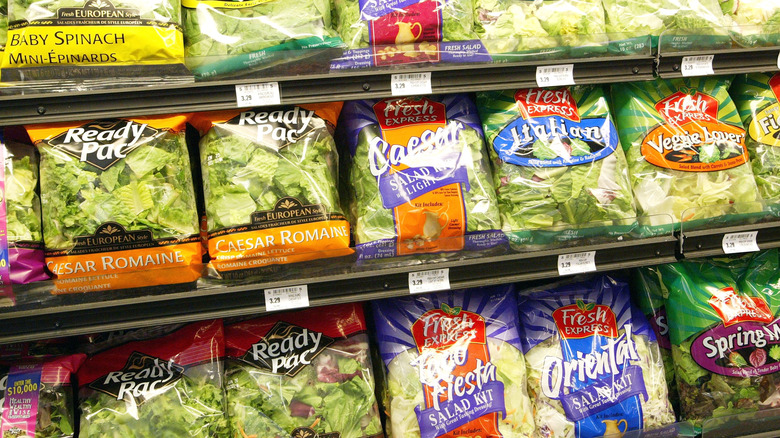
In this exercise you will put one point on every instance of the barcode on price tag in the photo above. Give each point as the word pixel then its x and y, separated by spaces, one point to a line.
pixel 555 75
pixel 283 298
pixel 407 84
pixel 576 263
pixel 263 94
pixel 697 65
pixel 734 243
pixel 428 281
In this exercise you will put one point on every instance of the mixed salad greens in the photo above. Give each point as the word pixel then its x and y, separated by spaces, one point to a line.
pixel 753 22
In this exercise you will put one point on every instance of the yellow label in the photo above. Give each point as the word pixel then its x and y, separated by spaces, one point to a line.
pixel 192 4
pixel 765 126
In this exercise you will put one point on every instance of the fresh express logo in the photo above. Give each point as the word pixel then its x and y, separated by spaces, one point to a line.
pixel 733 308
pixel 774 84
pixel 687 106
pixel 581 320
pixel 278 128
pixel 142 378
pixel 287 349
pixel 393 113
pixel 102 144
pixel 441 328
pixel 541 102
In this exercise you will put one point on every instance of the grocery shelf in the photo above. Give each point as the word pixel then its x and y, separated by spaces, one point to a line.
pixel 724 62
pixel 709 242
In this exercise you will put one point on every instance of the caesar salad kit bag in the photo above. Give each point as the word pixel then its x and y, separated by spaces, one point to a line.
pixel 594 367
pixel 270 181
pixel 228 37
pixel 302 374
pixel 418 177
pixel 118 203
pixel 686 152
pixel 93 39
pixel 560 172
pixel 171 385
pixel 453 365
pixel 36 396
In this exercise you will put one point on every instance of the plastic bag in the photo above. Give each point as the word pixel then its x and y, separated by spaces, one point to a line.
pixel 3 24
pixel 594 367
pixel 753 22
pixel 453 365
pixel 559 167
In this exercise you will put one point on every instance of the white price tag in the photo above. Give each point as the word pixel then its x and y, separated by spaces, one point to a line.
pixel 263 94
pixel 284 298
pixel 428 281
pixel 577 263
pixel 740 242
pixel 555 75
pixel 408 84
pixel 697 65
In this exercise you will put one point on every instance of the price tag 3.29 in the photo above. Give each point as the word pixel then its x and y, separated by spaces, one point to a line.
pixel 264 94
pixel 429 281
pixel 407 84
pixel 734 243
pixel 697 65
pixel 555 75
pixel 576 263
pixel 284 298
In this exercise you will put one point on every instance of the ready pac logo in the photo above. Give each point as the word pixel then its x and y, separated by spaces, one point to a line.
pixel 405 111
pixel 142 378
pixel 582 320
pixel 543 102
pixel 687 106
pixel 287 349
pixel 733 308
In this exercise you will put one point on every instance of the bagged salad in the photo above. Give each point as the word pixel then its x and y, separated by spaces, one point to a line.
pixel 594 367
pixel 753 22
pixel 302 374
pixel 686 152
pixel 171 385
pixel 223 38
pixel 270 179
pixel 560 172
pixel 118 203
pixel 418 176
pixel 3 23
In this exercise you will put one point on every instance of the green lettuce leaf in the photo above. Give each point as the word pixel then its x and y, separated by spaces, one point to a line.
pixel 23 205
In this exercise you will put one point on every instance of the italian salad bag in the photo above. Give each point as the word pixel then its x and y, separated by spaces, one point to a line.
pixel 270 180
pixel 686 152
pixel 118 203
pixel 589 332
pixel 453 365
pixel 418 177
pixel 167 386
pixel 560 172
pixel 302 374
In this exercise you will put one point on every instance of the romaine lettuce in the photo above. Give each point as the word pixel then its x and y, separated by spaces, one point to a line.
pixel 23 206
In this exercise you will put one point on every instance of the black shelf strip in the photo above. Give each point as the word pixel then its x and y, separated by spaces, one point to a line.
pixel 724 62
pixel 709 242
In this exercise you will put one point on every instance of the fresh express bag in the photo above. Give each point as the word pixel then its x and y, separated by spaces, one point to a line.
pixel 453 365
pixel 270 179
pixel 37 397
pixel 302 374
pixel 594 367
pixel 118 203
pixel 560 172
pixel 419 178
pixel 686 152
pixel 167 386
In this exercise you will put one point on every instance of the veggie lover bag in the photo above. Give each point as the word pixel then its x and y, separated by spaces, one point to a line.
pixel 419 179
pixel 686 151
pixel 453 365
pixel 118 203
pixel 167 386
pixel 594 368
pixel 270 183
pixel 559 170
pixel 302 374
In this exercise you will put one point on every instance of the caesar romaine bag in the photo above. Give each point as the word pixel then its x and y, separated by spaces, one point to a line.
pixel 559 168
pixel 419 180
pixel 686 152
pixel 453 365
pixel 118 203
pixel 171 385
pixel 302 374
pixel 594 367
pixel 270 180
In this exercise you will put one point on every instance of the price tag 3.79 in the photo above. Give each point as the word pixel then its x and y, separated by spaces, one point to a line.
pixel 429 281
pixel 734 243
pixel 555 75
pixel 284 298
pixel 697 65
pixel 264 94
pixel 576 263
pixel 407 84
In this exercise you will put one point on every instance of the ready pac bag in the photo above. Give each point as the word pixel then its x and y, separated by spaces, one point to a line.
pixel 302 374
pixel 118 203
pixel 270 179
pixel 560 172
pixel 453 365
pixel 594 368
pixel 418 176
